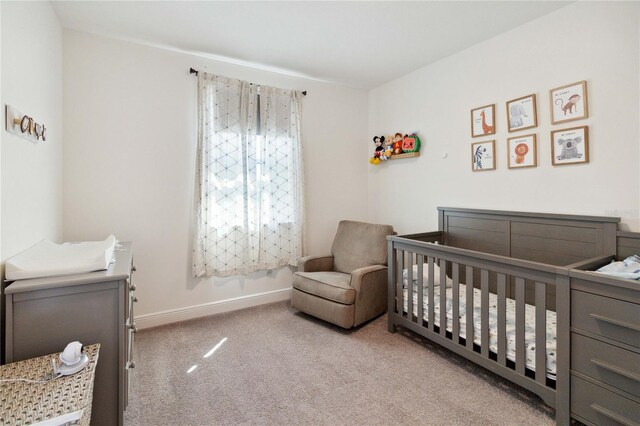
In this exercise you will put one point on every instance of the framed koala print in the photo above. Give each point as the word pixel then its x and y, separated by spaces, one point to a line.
pixel 570 146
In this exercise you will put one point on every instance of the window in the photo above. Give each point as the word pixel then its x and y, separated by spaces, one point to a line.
pixel 249 182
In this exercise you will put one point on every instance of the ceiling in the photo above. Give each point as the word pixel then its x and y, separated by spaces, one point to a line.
pixel 360 44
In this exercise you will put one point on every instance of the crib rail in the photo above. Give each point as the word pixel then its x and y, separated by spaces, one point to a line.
pixel 505 277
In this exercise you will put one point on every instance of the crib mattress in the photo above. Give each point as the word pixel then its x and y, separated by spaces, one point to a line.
pixel 530 324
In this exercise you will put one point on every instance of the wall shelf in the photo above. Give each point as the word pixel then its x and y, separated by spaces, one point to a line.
pixel 405 155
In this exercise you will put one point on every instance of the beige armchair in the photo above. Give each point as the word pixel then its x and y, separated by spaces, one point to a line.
pixel 349 286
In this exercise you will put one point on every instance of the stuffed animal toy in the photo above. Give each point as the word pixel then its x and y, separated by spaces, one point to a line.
pixel 377 141
pixel 388 149
pixel 411 143
pixel 397 143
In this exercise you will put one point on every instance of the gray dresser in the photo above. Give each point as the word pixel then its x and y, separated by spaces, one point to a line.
pixel 605 350
pixel 44 314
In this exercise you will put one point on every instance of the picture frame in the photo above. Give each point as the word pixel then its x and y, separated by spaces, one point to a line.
pixel 570 146
pixel 569 102
pixel 522 152
pixel 522 113
pixel 483 156
pixel 483 121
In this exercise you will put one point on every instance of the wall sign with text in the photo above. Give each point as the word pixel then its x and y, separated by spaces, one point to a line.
pixel 24 125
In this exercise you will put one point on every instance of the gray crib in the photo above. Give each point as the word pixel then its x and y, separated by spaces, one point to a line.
pixel 505 276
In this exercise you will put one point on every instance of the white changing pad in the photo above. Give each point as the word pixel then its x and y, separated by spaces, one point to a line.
pixel 48 259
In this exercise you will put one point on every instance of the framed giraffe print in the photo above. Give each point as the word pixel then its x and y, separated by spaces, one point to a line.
pixel 568 103
pixel 483 156
pixel 483 121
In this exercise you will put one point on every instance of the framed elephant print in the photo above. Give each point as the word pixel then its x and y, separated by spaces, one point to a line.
pixel 522 113
pixel 570 146
pixel 522 152
pixel 483 156
pixel 483 121
pixel 568 102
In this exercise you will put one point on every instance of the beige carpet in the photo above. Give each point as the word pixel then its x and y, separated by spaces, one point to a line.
pixel 281 367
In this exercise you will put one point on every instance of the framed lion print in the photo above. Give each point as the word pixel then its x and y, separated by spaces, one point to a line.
pixel 522 152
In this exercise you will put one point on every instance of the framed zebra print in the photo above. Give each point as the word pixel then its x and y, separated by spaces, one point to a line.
pixel 483 156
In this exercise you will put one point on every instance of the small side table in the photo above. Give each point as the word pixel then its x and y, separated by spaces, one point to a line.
pixel 24 403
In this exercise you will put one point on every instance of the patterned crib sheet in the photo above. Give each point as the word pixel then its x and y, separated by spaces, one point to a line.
pixel 530 324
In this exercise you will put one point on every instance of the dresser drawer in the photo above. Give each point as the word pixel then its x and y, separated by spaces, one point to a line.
pixel 611 318
pixel 600 406
pixel 607 363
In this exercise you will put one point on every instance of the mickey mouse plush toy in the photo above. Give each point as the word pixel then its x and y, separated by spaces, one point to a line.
pixel 378 141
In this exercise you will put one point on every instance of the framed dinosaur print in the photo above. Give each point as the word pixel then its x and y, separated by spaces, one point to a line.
pixel 570 146
pixel 522 113
pixel 483 156
pixel 568 103
pixel 522 152
pixel 483 121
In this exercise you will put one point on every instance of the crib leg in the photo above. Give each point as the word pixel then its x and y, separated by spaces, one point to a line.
pixel 391 327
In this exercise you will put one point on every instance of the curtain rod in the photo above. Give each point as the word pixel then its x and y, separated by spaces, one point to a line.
pixel 194 71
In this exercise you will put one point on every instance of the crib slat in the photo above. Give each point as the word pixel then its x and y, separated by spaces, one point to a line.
pixel 443 297
pixel 520 341
pixel 484 313
pixel 399 284
pixel 541 332
pixel 409 267
pixel 502 319
pixel 455 272
pixel 420 261
pixel 469 315
pixel 430 284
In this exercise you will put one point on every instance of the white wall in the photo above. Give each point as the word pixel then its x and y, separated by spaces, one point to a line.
pixel 130 129
pixel 31 174
pixel 597 42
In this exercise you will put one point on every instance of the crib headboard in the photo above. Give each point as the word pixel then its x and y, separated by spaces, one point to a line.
pixel 556 239
pixel 628 244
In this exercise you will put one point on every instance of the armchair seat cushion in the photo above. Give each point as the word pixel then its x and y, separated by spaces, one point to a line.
pixel 333 286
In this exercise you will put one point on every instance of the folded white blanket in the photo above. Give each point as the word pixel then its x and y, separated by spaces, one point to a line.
pixel 48 259
pixel 628 268
pixel 425 276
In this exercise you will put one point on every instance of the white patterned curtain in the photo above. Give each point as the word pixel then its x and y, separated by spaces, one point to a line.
pixel 249 178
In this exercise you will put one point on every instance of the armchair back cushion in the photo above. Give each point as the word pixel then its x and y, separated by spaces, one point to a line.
pixel 359 244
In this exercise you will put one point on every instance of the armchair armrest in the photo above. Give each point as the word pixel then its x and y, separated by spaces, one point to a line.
pixel 370 284
pixel 362 278
pixel 315 263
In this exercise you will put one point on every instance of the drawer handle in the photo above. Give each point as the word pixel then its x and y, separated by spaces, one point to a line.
pixel 131 365
pixel 616 322
pixel 615 369
pixel 135 300
pixel 132 287
pixel 133 268
pixel 613 416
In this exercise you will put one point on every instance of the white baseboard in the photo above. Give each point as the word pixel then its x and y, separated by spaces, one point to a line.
pixel 182 314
